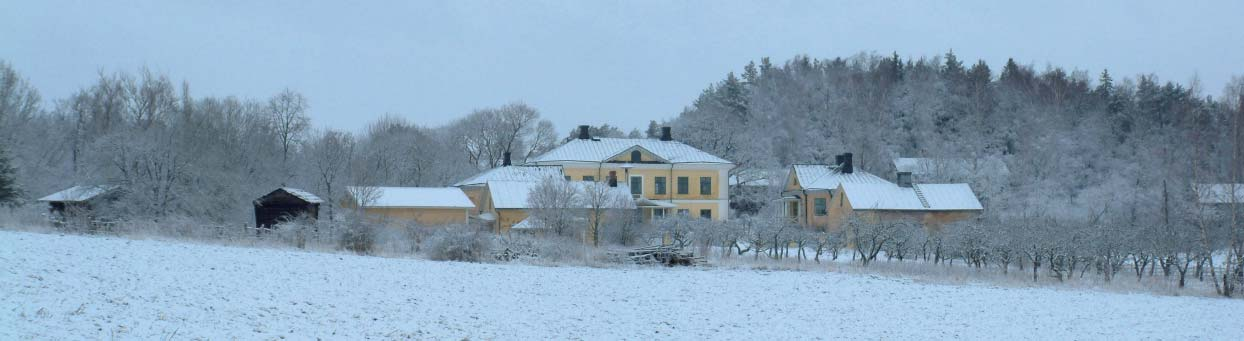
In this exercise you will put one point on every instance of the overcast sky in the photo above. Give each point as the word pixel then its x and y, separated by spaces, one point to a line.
pixel 622 63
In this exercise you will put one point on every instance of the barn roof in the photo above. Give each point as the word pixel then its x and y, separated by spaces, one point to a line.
pixel 304 195
pixel 604 149
pixel 513 173
pixel 918 197
pixel 411 197
pixel 1219 193
pixel 78 193
pixel 828 177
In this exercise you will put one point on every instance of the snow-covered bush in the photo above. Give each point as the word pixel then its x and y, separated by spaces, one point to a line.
pixel 359 237
pixel 460 243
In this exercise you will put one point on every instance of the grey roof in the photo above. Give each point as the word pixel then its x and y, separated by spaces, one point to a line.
pixel 513 173
pixel 828 177
pixel 304 195
pixel 78 193
pixel 919 197
pixel 603 149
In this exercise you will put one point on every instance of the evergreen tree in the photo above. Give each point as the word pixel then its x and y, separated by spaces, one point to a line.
pixel 733 95
pixel 654 130
pixel 750 74
pixel 1105 85
pixel 9 193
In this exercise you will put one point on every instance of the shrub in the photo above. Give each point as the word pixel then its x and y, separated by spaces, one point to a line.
pixel 359 237
pixel 460 243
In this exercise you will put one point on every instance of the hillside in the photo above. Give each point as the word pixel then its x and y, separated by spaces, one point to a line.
pixel 74 287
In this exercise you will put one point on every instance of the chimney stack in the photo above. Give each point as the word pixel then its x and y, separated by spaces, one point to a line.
pixel 904 179
pixel 505 161
pixel 838 160
pixel 847 167
pixel 666 135
pixel 584 134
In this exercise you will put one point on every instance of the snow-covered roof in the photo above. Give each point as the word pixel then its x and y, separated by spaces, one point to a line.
pixel 919 197
pixel 603 149
pixel 513 194
pixel 510 194
pixel 513 173
pixel 304 195
pixel 525 224
pixel 78 193
pixel 430 197
pixel 1219 193
pixel 827 177
pixel 951 167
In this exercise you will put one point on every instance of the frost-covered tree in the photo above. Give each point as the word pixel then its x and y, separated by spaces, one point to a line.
pixel 10 194
pixel 555 206
pixel 288 111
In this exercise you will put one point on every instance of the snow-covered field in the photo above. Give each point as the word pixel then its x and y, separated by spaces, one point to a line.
pixel 75 287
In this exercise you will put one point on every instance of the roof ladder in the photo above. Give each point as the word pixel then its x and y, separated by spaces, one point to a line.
pixel 920 195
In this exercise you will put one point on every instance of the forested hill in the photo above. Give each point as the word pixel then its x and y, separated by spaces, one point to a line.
pixel 1075 142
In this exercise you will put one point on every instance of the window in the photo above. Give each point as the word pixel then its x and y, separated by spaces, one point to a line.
pixel 567 178
pixel 589 178
pixel 706 214
pixel 637 185
pixel 660 185
pixel 684 185
pixel 658 213
pixel 636 156
pixel 684 212
pixel 820 207
pixel 706 185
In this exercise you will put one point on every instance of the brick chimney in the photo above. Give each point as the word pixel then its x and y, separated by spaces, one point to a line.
pixel 666 135
pixel 505 161
pixel 584 134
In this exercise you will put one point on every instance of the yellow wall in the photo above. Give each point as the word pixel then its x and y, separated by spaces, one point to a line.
pixel 422 216
pixel 840 209
pixel 479 197
pixel 506 218
pixel 694 209
pixel 650 175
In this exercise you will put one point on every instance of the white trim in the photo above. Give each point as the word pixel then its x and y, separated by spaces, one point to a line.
pixel 641 184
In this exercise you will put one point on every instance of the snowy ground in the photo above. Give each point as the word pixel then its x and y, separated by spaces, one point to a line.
pixel 74 287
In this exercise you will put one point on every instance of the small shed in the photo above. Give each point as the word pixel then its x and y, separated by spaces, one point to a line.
pixel 78 199
pixel 285 203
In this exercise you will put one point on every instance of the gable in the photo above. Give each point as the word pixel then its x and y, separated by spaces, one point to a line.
pixel 792 181
pixel 628 156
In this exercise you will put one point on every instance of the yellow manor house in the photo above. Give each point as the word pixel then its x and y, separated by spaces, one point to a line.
pixel 663 177
pixel 666 176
